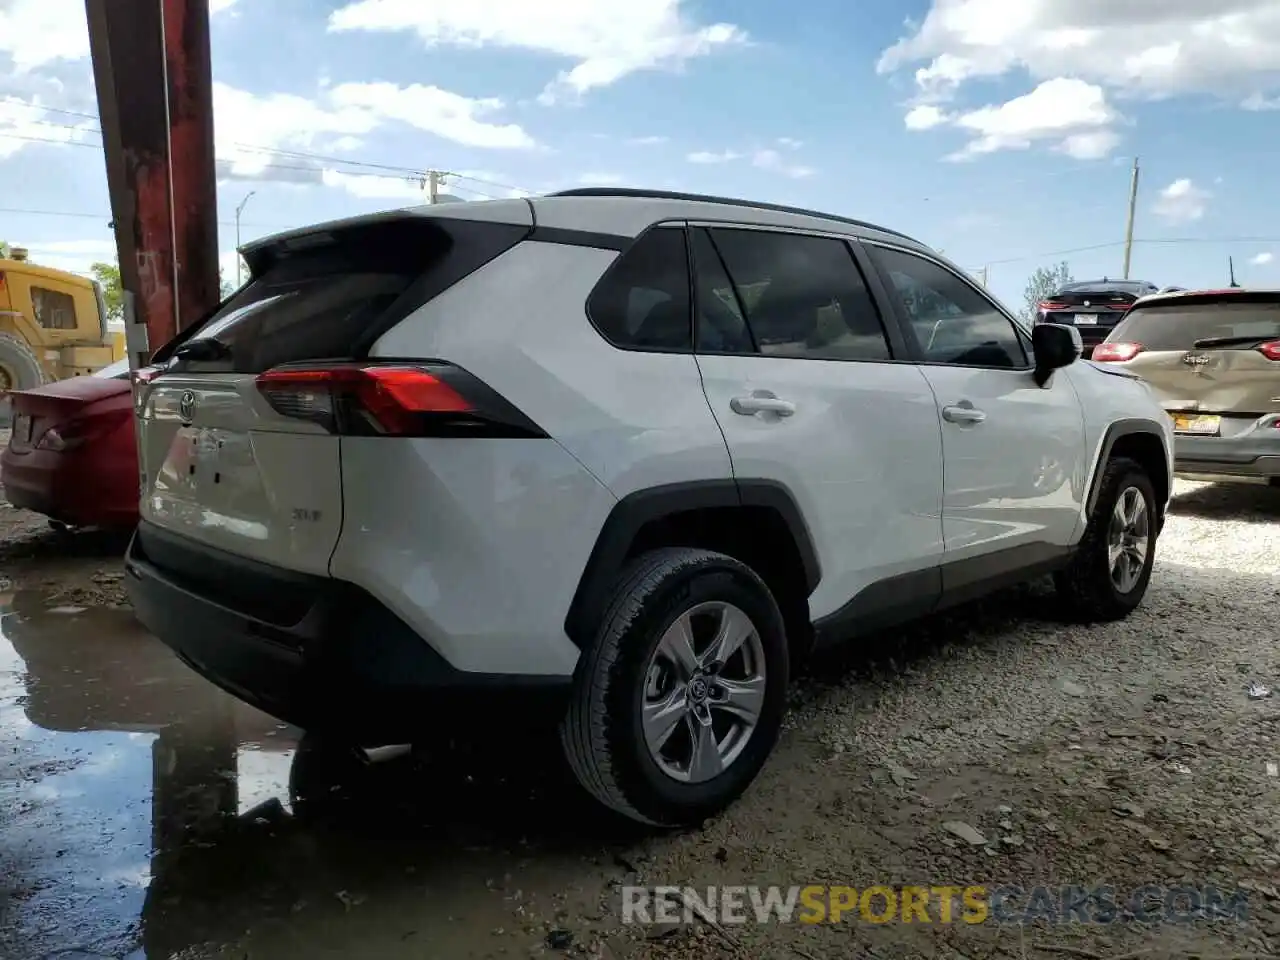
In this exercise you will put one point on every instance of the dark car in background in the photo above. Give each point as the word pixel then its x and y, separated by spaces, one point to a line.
pixel 1093 307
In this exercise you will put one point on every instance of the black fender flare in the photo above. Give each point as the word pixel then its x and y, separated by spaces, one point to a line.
pixel 1115 430
pixel 630 514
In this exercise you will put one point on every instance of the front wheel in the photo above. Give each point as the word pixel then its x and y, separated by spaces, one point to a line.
pixel 1109 575
pixel 680 699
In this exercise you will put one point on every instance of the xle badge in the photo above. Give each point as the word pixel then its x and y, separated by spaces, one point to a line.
pixel 303 515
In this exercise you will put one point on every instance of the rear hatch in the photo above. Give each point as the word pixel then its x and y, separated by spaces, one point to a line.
pixel 225 466
pixel 1093 308
pixel 1213 359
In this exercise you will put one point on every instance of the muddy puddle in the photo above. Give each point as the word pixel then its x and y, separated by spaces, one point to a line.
pixel 144 814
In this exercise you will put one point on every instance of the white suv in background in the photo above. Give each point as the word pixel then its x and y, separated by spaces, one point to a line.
pixel 624 454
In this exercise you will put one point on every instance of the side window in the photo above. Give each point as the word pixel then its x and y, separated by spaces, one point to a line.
pixel 952 322
pixel 802 296
pixel 53 310
pixel 642 302
pixel 722 327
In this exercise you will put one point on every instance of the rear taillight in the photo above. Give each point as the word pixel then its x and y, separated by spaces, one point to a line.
pixel 71 434
pixel 1116 352
pixel 398 399
pixel 1270 350
pixel 1048 305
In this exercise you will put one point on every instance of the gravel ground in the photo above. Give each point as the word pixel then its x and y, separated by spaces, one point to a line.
pixel 995 746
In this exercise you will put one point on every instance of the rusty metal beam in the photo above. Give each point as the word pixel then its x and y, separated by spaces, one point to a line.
pixel 191 152
pixel 151 67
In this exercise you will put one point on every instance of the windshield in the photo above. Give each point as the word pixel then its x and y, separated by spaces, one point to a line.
pixel 1178 327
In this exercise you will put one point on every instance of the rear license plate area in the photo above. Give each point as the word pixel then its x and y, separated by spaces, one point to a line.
pixel 1086 319
pixel 1196 424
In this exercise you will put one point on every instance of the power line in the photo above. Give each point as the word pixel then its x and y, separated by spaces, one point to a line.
pixel 406 172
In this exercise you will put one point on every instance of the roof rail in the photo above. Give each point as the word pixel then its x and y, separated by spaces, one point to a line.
pixel 707 198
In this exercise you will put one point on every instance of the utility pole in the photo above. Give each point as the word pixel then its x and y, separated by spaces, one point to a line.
pixel 434 179
pixel 984 277
pixel 240 210
pixel 1128 230
pixel 1231 269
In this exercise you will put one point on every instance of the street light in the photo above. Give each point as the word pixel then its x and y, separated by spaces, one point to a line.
pixel 239 210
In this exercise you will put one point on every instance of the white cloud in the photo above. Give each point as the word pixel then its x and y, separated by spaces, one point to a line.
pixel 925 116
pixel 765 159
pixel 38 32
pixel 369 187
pixel 338 120
pixel 708 156
pixel 606 40
pixel 1229 47
pixel 790 143
pixel 219 6
pixel 647 141
pixel 600 179
pixel 771 160
pixel 1070 115
pixel 1262 259
pixel 1257 102
pixel 446 114
pixel 25 124
pixel 1181 202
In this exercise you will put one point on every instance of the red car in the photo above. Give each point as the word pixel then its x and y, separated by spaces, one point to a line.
pixel 72 452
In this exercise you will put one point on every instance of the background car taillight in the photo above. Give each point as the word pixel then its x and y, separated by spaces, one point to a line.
pixel 398 399
pixel 1116 352
pixel 1270 350
pixel 74 433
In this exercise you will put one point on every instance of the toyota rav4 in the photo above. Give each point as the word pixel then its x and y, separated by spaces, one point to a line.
pixel 627 455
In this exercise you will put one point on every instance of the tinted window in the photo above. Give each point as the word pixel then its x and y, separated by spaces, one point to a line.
pixel 321 297
pixel 1133 287
pixel 643 300
pixel 722 328
pixel 952 322
pixel 54 310
pixel 1179 327
pixel 802 296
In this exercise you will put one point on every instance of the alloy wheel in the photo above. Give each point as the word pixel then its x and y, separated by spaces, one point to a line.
pixel 704 692
pixel 1128 536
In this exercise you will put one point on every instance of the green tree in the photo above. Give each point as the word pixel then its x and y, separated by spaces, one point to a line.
pixel 108 276
pixel 1043 284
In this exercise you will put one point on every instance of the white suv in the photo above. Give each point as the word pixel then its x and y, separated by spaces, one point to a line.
pixel 624 454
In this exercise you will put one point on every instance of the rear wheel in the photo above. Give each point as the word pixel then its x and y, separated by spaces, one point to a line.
pixel 679 702
pixel 1112 567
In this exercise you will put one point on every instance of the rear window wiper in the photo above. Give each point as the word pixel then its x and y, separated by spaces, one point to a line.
pixel 207 349
pixel 1232 341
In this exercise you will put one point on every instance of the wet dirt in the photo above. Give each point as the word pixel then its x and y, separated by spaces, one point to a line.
pixel 144 814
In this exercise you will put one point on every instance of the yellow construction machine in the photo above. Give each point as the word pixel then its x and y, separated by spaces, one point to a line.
pixel 53 325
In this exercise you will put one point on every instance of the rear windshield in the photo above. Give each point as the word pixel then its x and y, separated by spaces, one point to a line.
pixel 1178 327
pixel 324 300
pixel 1130 287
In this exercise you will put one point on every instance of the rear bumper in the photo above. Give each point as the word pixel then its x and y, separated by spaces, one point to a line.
pixel 1255 454
pixel 71 488
pixel 319 653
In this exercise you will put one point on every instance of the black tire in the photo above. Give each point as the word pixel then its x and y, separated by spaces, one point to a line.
pixel 602 735
pixel 21 362
pixel 1086 586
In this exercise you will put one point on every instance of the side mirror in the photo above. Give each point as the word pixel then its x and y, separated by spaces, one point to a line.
pixel 1055 345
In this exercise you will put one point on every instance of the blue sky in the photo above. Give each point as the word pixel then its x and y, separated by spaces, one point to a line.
pixel 1000 131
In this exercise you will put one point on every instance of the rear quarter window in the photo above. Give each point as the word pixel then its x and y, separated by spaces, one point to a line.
pixel 329 299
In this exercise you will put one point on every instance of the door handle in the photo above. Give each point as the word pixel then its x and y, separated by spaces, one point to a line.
pixel 750 406
pixel 962 413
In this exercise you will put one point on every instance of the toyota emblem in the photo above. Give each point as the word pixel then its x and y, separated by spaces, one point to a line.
pixel 187 406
